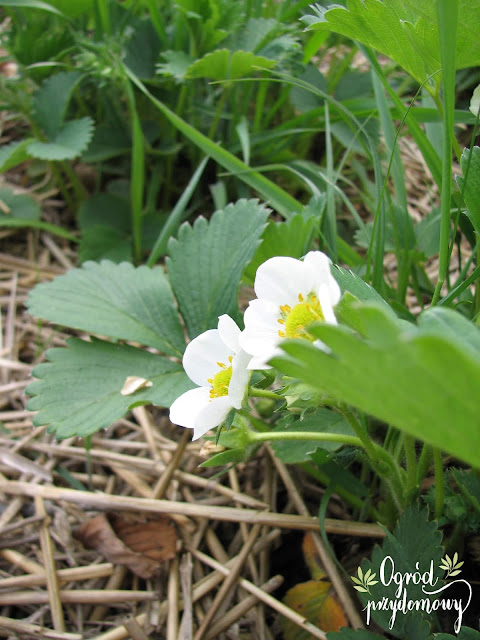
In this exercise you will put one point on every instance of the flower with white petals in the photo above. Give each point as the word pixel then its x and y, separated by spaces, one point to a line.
pixel 291 295
pixel 215 362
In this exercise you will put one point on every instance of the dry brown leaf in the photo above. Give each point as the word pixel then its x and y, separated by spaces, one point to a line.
pixel 142 544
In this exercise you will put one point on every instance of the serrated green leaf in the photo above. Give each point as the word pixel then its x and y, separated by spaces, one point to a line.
pixel 223 64
pixel 78 391
pixel 70 141
pixel 399 373
pixel 50 101
pixel 406 32
pixel 13 154
pixel 21 206
pixel 292 238
pixel 322 420
pixel 115 300
pixel 206 262
pixel 471 187
pixel 352 283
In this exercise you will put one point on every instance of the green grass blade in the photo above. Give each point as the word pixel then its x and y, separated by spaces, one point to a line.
pixel 330 220
pixel 176 215
pixel 447 15
pixel 38 224
pixel 401 218
pixel 279 199
pixel 137 173
pixel 428 152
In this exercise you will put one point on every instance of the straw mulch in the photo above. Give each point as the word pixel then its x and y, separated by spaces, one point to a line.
pixel 179 553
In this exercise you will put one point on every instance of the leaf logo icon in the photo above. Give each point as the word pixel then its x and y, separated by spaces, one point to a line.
pixel 451 565
pixel 363 582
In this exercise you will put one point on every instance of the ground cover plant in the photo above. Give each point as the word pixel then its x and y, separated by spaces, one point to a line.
pixel 362 375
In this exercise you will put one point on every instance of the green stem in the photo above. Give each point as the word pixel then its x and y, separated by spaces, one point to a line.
pixel 218 113
pixel 272 436
pixel 447 15
pixel 79 189
pixel 411 460
pixel 262 393
pixel 389 470
pixel 61 186
pixel 424 463
pixel 439 482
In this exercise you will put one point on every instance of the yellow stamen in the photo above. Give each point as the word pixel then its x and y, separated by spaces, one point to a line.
pixel 297 320
pixel 210 380
pixel 221 365
pixel 230 359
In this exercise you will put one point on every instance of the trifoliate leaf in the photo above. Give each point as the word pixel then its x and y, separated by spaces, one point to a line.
pixel 115 300
pixel 51 100
pixel 79 389
pixel 207 260
pixel 70 141
pixel 399 373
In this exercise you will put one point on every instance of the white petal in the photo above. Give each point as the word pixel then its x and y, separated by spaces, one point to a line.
pixel 279 280
pixel 260 362
pixel 202 354
pixel 261 328
pixel 319 266
pixel 213 414
pixel 239 379
pixel 229 332
pixel 184 411
pixel 324 297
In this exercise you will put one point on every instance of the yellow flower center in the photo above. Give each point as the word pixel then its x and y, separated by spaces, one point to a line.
pixel 296 320
pixel 221 380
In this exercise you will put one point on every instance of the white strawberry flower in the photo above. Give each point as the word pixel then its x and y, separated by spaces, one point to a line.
pixel 216 363
pixel 291 295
